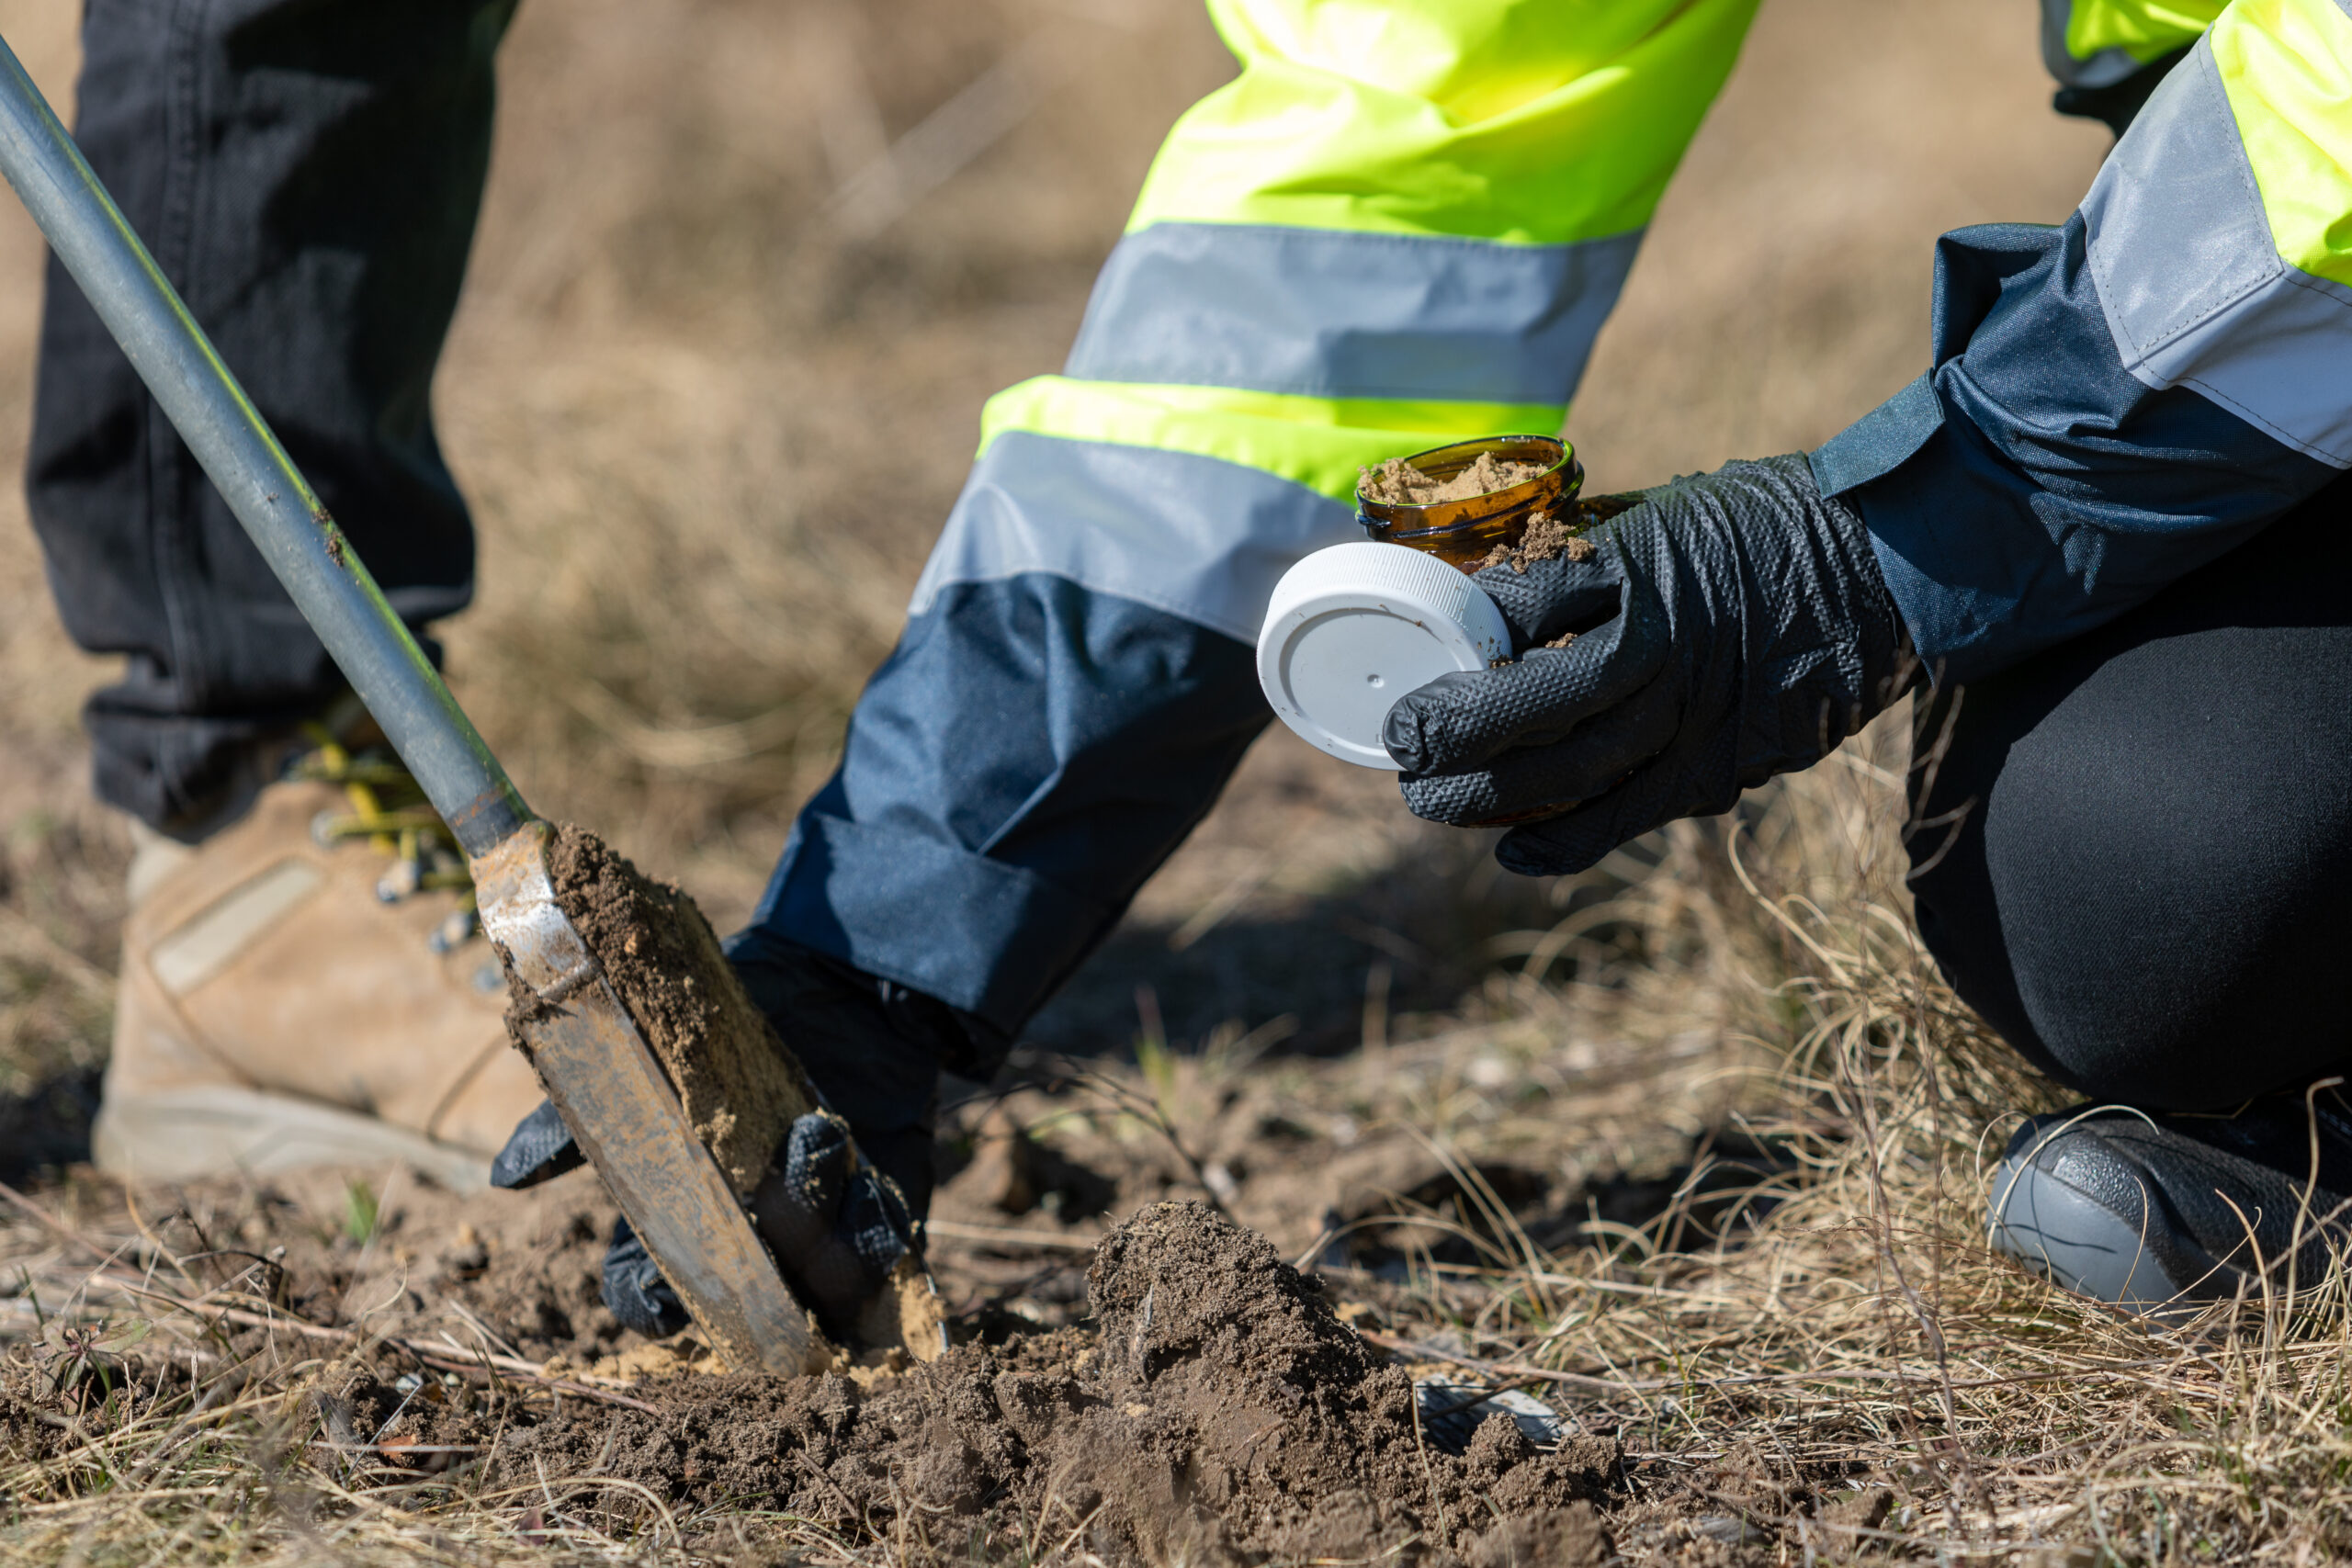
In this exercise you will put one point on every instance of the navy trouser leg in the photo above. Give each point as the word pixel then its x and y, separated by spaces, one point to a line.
pixel 308 174
pixel 2150 894
pixel 1029 755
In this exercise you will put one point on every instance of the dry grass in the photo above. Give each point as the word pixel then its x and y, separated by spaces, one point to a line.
pixel 1848 1333
pixel 713 385
pixel 1862 1330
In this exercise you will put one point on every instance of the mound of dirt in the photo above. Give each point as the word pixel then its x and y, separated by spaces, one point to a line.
pixel 1219 1411
pixel 1398 483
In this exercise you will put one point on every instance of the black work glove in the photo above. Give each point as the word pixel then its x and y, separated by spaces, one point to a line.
pixel 837 1229
pixel 633 1288
pixel 1731 626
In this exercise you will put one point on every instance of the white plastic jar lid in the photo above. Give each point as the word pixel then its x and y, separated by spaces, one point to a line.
pixel 1355 626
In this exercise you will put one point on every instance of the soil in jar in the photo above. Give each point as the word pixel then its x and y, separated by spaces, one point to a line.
pixel 1398 483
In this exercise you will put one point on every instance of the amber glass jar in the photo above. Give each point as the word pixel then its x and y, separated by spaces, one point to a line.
pixel 1463 533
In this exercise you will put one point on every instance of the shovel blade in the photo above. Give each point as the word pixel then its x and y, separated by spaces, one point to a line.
pixel 610 1089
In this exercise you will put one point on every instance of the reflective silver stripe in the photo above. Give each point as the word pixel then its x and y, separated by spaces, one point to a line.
pixel 2104 69
pixel 1196 536
pixel 1323 312
pixel 2192 285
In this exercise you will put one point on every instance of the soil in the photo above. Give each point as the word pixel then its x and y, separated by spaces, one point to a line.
pixel 1547 538
pixel 1164 1387
pixel 1398 483
pixel 524 1266
pixel 1215 1408
pixel 1557 1538
pixel 1218 1410
pixel 741 1088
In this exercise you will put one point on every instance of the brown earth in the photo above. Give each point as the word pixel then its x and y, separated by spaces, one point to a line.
pixel 1398 483
pixel 1218 1407
pixel 1166 1386
pixel 741 1090
pixel 1215 1406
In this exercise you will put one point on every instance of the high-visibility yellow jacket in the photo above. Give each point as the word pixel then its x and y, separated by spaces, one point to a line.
pixel 1404 222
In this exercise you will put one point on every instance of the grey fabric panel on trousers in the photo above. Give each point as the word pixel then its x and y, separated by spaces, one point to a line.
pixel 2194 289
pixel 1199 537
pixel 1319 312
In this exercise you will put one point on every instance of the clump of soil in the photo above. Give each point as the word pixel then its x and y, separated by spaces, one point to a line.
pixel 1220 1412
pixel 741 1088
pixel 1547 538
pixel 1398 483
pixel 1557 1538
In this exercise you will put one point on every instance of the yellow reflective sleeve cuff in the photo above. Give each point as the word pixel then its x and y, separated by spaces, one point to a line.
pixel 2287 68
pixel 2140 29
pixel 1316 442
pixel 1525 121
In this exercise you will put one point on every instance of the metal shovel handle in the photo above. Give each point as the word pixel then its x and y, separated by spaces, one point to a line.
pixel 363 633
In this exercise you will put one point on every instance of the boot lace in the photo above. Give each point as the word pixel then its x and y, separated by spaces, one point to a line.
pixel 389 809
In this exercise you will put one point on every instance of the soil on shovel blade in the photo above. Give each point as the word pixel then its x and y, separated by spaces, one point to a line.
pixel 740 1087
pixel 741 1090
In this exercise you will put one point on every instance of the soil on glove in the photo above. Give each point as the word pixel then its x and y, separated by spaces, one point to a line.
pixel 1547 538
pixel 1219 1411
pixel 1398 483
pixel 741 1088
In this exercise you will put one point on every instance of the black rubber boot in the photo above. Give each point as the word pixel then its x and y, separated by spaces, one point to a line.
pixel 2162 1213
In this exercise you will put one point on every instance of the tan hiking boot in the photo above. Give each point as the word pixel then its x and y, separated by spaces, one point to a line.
pixel 305 988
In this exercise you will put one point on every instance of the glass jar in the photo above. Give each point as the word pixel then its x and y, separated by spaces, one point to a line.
pixel 1463 533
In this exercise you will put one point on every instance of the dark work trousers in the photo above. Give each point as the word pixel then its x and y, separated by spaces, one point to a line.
pixel 2150 893
pixel 308 174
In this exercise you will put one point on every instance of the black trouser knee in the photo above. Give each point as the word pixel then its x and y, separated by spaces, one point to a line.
pixel 2143 876
pixel 308 174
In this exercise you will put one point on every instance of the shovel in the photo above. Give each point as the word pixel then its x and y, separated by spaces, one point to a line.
pixel 590 1055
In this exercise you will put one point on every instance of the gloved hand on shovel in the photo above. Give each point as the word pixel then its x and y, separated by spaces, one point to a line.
pixel 873 1050
pixel 1731 626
